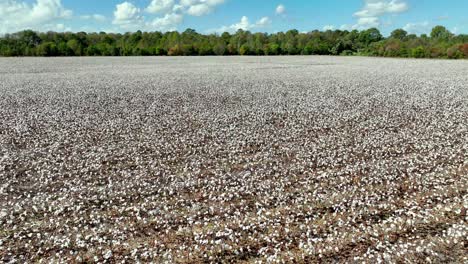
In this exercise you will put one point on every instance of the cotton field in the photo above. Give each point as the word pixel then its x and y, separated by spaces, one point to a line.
pixel 233 159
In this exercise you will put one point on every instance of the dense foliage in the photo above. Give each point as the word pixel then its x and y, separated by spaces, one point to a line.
pixel 440 44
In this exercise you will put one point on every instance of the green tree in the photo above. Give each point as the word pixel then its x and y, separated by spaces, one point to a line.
pixel 64 50
pixel 29 38
pixel 92 50
pixel 369 36
pixel 395 48
pixel 399 34
pixel 440 33
pixel 47 49
pixel 219 49
pixel 441 43
pixel 244 50
pixel 75 46
pixel 341 47
pixel 159 51
pixel 273 49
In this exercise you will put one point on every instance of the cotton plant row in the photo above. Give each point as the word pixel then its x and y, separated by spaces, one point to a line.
pixel 256 160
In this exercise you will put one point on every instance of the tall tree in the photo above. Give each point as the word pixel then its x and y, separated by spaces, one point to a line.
pixel 399 34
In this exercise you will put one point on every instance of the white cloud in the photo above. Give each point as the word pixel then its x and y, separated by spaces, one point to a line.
pixel 97 17
pixel 245 24
pixel 62 27
pixel 198 7
pixel 168 22
pixel 369 15
pixel 418 28
pixel 346 27
pixel 159 6
pixel 263 22
pixel 19 15
pixel 127 16
pixel 126 13
pixel 367 22
pixel 194 2
pixel 280 9
pixel 199 10
pixel 375 8
pixel 329 27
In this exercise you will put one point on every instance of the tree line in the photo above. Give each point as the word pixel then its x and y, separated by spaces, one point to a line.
pixel 441 43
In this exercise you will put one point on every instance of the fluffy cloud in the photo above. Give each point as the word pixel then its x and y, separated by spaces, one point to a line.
pixel 60 27
pixel 280 9
pixel 369 15
pixel 97 17
pixel 245 24
pixel 199 10
pixel 127 14
pixel 159 6
pixel 418 28
pixel 129 17
pixel 329 27
pixel 263 22
pixel 207 2
pixel 168 22
pixel 376 8
pixel 199 7
pixel 171 13
pixel 40 15
pixel 367 22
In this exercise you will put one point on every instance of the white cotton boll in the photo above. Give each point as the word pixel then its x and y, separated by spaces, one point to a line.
pixel 140 159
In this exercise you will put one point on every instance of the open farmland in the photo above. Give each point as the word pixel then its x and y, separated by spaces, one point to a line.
pixel 233 159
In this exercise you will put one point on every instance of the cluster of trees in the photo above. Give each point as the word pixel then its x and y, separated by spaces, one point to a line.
pixel 440 44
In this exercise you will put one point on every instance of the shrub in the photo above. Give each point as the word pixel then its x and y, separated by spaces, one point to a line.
pixel 454 53
pixel 437 52
pixel 393 49
pixel 464 49
pixel 219 49
pixel 347 53
pixel 418 52
pixel 244 50
pixel 205 50
pixel 175 51
pixel 159 51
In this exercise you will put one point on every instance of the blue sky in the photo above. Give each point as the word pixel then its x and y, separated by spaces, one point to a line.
pixel 207 16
